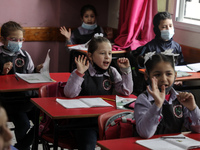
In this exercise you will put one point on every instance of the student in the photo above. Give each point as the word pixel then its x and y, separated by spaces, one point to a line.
pixel 5 134
pixel 160 109
pixel 17 104
pixel 164 31
pixel 88 28
pixel 96 77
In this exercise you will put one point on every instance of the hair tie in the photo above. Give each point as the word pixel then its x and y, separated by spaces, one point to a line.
pixel 148 56
pixel 98 34
pixel 169 53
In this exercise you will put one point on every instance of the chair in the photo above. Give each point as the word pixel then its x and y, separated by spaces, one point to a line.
pixel 102 119
pixel 55 90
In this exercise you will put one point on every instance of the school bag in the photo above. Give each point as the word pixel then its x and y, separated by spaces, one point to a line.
pixel 120 125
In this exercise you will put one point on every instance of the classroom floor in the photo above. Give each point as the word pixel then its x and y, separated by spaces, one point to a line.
pixel 10 125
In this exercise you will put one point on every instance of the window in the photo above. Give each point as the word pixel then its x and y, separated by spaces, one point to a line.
pixel 188 12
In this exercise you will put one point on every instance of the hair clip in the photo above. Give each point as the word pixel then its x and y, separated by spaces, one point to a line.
pixel 98 34
pixel 148 56
pixel 169 53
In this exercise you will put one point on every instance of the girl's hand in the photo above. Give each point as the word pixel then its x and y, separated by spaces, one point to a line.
pixel 159 96
pixel 109 33
pixel 123 62
pixel 66 33
pixel 187 100
pixel 40 66
pixel 7 67
pixel 82 64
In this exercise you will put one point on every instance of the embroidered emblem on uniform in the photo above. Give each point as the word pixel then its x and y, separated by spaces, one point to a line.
pixel 107 84
pixel 177 110
pixel 19 62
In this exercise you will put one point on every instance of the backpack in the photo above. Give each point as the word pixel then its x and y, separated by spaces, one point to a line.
pixel 120 125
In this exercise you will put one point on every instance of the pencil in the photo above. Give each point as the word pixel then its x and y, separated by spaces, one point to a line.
pixel 16 77
pixel 108 99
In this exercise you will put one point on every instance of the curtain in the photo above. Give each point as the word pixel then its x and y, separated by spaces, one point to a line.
pixel 135 23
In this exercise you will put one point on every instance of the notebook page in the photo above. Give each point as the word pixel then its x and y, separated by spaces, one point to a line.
pixel 71 103
pixel 95 102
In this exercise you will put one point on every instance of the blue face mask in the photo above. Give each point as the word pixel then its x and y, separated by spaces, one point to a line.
pixel 14 46
pixel 89 26
pixel 167 34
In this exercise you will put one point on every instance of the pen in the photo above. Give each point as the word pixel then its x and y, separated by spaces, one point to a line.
pixel 172 137
pixel 108 99
pixel 16 77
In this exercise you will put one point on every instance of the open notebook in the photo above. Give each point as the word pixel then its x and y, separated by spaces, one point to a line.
pixel 176 142
pixel 83 103
pixel 195 67
pixel 43 76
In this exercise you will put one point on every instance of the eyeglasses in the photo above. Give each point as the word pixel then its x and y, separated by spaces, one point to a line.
pixel 15 39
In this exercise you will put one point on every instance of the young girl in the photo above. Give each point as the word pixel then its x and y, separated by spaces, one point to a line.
pixel 17 104
pixel 160 109
pixel 88 28
pixel 96 77
pixel 5 134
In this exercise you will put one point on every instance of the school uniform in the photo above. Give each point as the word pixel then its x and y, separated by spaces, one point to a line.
pixel 95 83
pixel 159 45
pixel 170 118
pixel 17 104
pixel 122 84
pixel 82 35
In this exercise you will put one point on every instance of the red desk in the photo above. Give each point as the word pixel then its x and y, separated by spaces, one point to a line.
pixel 130 143
pixel 8 83
pixel 56 111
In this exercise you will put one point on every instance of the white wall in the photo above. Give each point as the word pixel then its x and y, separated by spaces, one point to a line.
pixel 188 38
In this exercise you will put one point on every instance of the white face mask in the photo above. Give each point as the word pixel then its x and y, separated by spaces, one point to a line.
pixel 89 26
pixel 14 46
pixel 167 34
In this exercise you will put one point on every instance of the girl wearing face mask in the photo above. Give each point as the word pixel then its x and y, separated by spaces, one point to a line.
pixel 88 28
pixel 17 104
pixel 160 109
pixel 164 31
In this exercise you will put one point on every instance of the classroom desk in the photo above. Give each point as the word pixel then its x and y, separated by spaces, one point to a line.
pixel 55 111
pixel 130 143
pixel 10 84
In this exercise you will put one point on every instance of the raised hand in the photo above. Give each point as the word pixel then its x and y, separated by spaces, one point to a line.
pixel 40 66
pixel 158 95
pixel 187 100
pixel 66 33
pixel 7 67
pixel 123 62
pixel 82 63
pixel 109 33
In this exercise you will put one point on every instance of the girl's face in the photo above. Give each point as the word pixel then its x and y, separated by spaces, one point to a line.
pixel 16 36
pixel 89 17
pixel 102 56
pixel 5 134
pixel 166 24
pixel 164 73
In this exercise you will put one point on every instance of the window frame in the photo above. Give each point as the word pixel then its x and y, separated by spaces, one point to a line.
pixel 184 25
